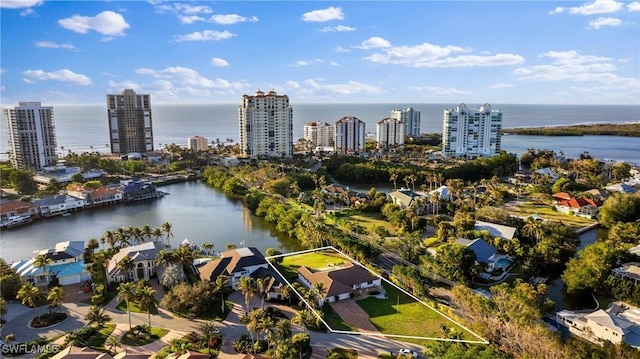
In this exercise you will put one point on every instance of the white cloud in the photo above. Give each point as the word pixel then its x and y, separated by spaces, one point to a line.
pixel 440 91
pixel 592 8
pixel 375 42
pixel 604 21
pixel 328 14
pixel 349 88
pixel 473 61
pixel 18 4
pixel 634 6
pixel 341 49
pixel 230 19
pixel 27 12
pixel 571 66
pixel 189 78
pixel 333 63
pixel 412 55
pixel 339 28
pixel 190 19
pixel 105 23
pixel 183 8
pixel 500 86
pixel 53 45
pixel 216 61
pixel 301 63
pixel 206 35
pixel 63 75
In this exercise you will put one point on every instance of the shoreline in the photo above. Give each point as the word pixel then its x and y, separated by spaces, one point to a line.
pixel 627 129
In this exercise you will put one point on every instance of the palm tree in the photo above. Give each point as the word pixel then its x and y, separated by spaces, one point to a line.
pixel 55 297
pixel 261 290
pixel 157 233
pixel 533 229
pixel 146 231
pixel 97 315
pixel 209 332
pixel 220 285
pixel 166 228
pixel 208 247
pixel 146 299
pixel 301 318
pixel 122 236
pixel 230 246
pixel 125 292
pixel 394 179
pixel 28 294
pixel 165 258
pixel 247 286
pixel 136 234
pixel 320 290
pixel 92 245
pixel 126 265
pixel 184 256
pixel 283 329
pixel 110 238
pixel 112 343
pixel 42 261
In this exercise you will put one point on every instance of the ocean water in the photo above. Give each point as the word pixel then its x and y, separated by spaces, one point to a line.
pixel 82 128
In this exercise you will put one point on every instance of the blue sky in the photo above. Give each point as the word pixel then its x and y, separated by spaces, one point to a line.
pixel 535 52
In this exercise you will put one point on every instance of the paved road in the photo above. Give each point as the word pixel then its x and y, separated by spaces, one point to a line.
pixel 19 315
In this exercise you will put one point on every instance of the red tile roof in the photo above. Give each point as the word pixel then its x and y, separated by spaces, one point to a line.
pixel 16 206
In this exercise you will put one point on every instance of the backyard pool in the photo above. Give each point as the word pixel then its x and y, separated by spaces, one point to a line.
pixel 502 263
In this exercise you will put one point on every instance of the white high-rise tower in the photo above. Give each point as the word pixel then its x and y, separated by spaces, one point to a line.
pixel 350 135
pixel 130 124
pixel 32 136
pixel 411 120
pixel 266 125
pixel 471 132
pixel 390 133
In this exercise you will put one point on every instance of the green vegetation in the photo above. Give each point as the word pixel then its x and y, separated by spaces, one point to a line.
pixel 548 213
pixel 142 335
pixel 409 317
pixel 341 353
pixel 608 129
pixel 133 306
pixel 314 260
pixel 335 322
pixel 97 340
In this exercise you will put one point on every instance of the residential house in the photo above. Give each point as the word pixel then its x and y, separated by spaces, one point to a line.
pixel 406 198
pixel 619 323
pixel 136 190
pixel 630 271
pixel 340 283
pixel 583 207
pixel 95 197
pixel 274 283
pixel 67 265
pixel 143 257
pixel 496 230
pixel 59 204
pixel 18 208
pixel 484 252
pixel 336 193
pixel 235 263
pixel 621 187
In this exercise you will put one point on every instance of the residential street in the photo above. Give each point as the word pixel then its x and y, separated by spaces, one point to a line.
pixel 19 315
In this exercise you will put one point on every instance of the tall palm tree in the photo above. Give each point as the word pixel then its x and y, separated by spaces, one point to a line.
pixel 209 331
pixel 43 262
pixel 184 256
pixel 533 229
pixel 247 286
pixel 55 298
pixel 125 292
pixel 146 231
pixel 97 315
pixel 166 228
pixel 112 344
pixel 122 236
pixel 157 233
pixel 288 293
pixel 283 329
pixel 126 265
pixel 221 284
pixel 261 290
pixel 146 299
pixel 92 245
pixel 394 179
pixel 28 294
pixel 165 258
pixel 320 290
pixel 208 247
pixel 302 318
pixel 136 234
pixel 110 238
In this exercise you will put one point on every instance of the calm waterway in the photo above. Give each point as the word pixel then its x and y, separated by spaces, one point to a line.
pixel 197 212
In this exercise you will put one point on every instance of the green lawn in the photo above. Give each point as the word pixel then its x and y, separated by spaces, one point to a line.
pixel 335 322
pixel 133 306
pixel 371 220
pixel 97 341
pixel 547 212
pixel 156 333
pixel 408 318
pixel 290 264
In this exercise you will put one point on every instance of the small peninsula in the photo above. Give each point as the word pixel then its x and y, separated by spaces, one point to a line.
pixel 601 129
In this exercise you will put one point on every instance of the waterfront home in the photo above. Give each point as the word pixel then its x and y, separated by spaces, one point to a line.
pixel 136 190
pixel 335 193
pixel 629 271
pixel 619 323
pixel 67 265
pixel 583 207
pixel 143 259
pixel 18 208
pixel 234 263
pixel 406 198
pixel 484 251
pixel 342 282
pixel 59 204
pixel 95 196
pixel 63 174
pixel 496 230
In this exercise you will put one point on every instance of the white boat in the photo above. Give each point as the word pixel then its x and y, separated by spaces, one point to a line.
pixel 15 221
pixel 66 214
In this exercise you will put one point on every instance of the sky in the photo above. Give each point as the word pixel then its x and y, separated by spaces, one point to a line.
pixel 517 52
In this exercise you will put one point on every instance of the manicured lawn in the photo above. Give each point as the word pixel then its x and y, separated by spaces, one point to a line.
pixel 371 220
pixel 335 322
pixel 133 306
pixel 314 260
pixel 547 212
pixel 97 341
pixel 409 318
pixel 156 333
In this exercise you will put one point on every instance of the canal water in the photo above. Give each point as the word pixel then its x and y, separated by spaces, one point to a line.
pixel 197 212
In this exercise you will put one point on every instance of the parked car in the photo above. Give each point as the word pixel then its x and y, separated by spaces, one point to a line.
pixel 408 352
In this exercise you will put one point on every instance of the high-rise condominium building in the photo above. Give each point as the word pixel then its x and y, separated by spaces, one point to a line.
pixel 411 120
pixel 473 132
pixel 130 124
pixel 390 133
pixel 266 125
pixel 319 134
pixel 32 136
pixel 197 143
pixel 350 135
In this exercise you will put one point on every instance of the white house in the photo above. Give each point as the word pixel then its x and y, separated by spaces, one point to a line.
pixel 143 257
pixel 496 230
pixel 59 204
pixel 619 323
pixel 67 265
pixel 235 263
pixel 340 283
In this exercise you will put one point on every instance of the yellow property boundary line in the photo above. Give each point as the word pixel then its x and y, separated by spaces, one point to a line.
pixel 480 341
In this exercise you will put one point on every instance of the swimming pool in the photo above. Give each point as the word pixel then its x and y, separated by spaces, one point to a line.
pixel 502 263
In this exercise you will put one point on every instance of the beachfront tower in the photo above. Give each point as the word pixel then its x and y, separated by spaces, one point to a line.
pixel 350 135
pixel 130 125
pixel 32 136
pixel 319 135
pixel 390 133
pixel 266 125
pixel 198 143
pixel 471 132
pixel 411 120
